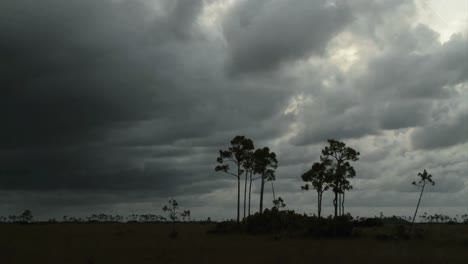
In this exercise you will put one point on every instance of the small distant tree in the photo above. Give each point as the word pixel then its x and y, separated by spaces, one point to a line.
pixel 424 217
pixel 279 203
pixel 317 178
pixel 171 209
pixel 185 215
pixel 26 216
pixel 464 218
pixel 12 218
pixel 424 179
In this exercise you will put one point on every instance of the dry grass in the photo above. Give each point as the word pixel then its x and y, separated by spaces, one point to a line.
pixel 150 243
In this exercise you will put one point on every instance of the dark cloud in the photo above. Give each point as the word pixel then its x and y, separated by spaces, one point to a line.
pixel 115 103
pixel 403 114
pixel 73 71
pixel 180 16
pixel 263 34
pixel 398 89
pixel 77 75
pixel 85 78
pixel 408 71
pixel 439 135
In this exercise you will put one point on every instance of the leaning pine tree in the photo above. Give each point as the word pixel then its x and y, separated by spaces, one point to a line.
pixel 237 155
pixel 425 178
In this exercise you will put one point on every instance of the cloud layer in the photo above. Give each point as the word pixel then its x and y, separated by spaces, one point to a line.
pixel 117 103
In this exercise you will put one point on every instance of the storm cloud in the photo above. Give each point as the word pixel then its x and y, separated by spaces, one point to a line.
pixel 119 103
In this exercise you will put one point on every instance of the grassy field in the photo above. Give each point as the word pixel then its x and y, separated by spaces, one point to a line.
pixel 149 243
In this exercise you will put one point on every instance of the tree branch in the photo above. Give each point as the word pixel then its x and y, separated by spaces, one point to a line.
pixel 231 174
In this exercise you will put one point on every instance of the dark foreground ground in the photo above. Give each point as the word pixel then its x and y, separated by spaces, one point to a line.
pixel 149 243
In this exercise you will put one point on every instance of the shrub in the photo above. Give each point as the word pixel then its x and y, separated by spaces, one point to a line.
pixel 341 226
pixel 287 222
pixel 344 225
pixel 357 232
pixel 275 221
pixel 397 232
pixel 382 236
pixel 226 227
pixel 401 232
pixel 368 222
pixel 396 220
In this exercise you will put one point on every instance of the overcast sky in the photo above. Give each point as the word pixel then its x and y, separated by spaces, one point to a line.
pixel 115 106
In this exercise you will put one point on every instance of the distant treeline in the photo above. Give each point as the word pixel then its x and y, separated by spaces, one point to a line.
pixel 27 217
pixel 440 218
pixel 287 223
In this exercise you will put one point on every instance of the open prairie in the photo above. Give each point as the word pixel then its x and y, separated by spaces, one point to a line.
pixel 150 243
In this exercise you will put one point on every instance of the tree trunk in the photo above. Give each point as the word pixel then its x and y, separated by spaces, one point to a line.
pixel 342 204
pixel 250 190
pixel 417 206
pixel 273 190
pixel 261 194
pixel 319 203
pixel 238 192
pixel 335 201
pixel 245 193
pixel 339 204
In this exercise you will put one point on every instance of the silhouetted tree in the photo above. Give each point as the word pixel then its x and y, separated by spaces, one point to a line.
pixel 279 203
pixel 265 165
pixel 12 218
pixel 185 215
pixel 464 218
pixel 171 209
pixel 345 186
pixel 317 178
pixel 26 216
pixel 237 154
pixel 337 157
pixel 249 167
pixel 424 178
